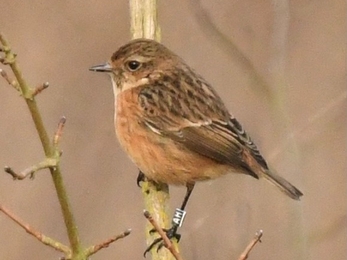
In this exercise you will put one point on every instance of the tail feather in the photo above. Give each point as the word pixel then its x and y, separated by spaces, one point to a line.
pixel 283 185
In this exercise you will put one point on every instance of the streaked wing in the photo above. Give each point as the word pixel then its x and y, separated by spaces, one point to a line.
pixel 191 113
pixel 212 143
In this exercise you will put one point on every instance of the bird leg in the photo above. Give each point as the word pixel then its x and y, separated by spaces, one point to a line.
pixel 190 187
pixel 177 221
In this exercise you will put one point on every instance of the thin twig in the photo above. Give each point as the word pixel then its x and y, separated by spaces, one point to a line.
pixel 59 131
pixel 250 246
pixel 93 249
pixel 40 88
pixel 47 163
pixel 38 235
pixel 50 151
pixel 167 242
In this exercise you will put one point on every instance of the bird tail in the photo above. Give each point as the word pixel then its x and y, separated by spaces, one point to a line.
pixel 283 185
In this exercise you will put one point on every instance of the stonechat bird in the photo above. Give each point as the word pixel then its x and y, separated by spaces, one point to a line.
pixel 173 124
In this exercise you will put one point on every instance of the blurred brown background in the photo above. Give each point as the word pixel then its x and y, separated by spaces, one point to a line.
pixel 297 116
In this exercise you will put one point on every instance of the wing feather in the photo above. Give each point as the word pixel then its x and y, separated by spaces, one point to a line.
pixel 198 120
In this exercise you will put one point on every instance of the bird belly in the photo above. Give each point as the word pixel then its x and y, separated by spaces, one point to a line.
pixel 159 157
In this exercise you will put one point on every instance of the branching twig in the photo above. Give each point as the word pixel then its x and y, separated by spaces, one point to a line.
pixel 51 162
pixel 38 235
pixel 49 149
pixel 93 249
pixel 47 163
pixel 250 246
pixel 167 242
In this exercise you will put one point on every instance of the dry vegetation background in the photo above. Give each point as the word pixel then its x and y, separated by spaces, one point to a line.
pixel 298 119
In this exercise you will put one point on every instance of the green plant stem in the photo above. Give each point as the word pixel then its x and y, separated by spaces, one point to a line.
pixel 10 59
pixel 144 19
pixel 144 24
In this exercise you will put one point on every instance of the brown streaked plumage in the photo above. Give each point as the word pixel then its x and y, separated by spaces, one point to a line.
pixel 173 124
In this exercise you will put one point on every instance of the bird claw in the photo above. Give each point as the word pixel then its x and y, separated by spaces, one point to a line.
pixel 170 233
pixel 140 178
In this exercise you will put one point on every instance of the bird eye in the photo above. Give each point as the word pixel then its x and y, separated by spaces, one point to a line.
pixel 133 65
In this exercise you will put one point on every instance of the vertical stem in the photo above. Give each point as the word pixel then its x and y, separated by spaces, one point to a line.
pixel 144 24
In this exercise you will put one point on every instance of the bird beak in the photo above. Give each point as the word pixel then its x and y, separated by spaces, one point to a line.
pixel 102 68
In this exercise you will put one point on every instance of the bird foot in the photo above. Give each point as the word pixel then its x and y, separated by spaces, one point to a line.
pixel 170 233
pixel 140 178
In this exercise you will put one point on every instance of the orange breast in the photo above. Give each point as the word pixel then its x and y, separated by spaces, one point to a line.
pixel 159 157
